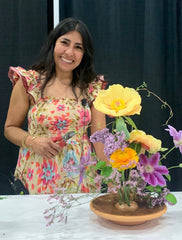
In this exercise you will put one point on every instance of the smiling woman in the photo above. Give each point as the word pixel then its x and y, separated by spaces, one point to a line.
pixel 51 94
pixel 68 52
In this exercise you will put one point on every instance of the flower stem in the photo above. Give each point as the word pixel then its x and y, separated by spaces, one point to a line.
pixel 120 197
pixel 113 126
pixel 164 156
pixel 173 167
pixel 125 190
pixel 126 193
pixel 143 88
pixel 131 122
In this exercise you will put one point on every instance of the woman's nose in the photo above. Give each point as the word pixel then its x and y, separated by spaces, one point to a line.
pixel 69 51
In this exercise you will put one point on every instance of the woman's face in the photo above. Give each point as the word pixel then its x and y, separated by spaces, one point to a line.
pixel 68 52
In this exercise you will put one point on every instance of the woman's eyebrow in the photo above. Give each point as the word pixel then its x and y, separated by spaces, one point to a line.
pixel 66 39
pixel 77 43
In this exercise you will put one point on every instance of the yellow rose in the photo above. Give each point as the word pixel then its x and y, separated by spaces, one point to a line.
pixel 124 159
pixel 148 142
pixel 118 101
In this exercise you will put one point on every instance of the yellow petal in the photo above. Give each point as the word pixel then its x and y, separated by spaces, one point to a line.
pixel 129 96
pixel 151 144
pixel 124 159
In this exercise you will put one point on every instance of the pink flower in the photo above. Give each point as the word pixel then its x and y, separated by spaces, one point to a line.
pixel 59 123
pixel 61 107
pixel 177 137
pixel 152 171
pixel 48 172
pixel 85 117
pixel 41 119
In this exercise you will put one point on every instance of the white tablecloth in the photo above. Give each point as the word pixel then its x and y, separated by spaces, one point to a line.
pixel 22 218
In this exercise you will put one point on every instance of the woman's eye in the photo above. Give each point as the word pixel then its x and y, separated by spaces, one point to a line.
pixel 64 42
pixel 79 47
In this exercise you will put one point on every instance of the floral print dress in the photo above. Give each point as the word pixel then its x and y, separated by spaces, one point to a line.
pixel 52 117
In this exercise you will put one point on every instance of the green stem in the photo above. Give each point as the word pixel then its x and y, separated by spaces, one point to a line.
pixel 120 197
pixel 113 126
pixel 164 156
pixel 131 122
pixel 126 199
pixel 173 167
pixel 126 195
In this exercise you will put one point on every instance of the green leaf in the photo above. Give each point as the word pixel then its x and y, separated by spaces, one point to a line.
pixel 168 177
pixel 93 154
pixel 163 149
pixel 157 189
pixel 121 127
pixel 150 188
pixel 106 171
pixel 136 146
pixel 100 165
pixel 171 198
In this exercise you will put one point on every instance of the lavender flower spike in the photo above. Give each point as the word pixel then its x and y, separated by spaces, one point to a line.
pixel 152 173
pixel 177 137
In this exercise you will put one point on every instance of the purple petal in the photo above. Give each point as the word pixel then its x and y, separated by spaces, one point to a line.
pixel 178 142
pixel 162 170
pixel 180 149
pixel 152 180
pixel 146 176
pixel 172 131
pixel 154 159
pixel 143 160
pixel 179 135
pixel 160 179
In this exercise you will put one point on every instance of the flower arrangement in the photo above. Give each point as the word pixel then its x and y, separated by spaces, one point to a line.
pixel 135 169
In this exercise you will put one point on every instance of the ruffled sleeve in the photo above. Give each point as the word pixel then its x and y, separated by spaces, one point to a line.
pixel 30 80
pixel 96 86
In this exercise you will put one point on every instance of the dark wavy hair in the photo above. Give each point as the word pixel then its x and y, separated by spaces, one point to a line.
pixel 84 73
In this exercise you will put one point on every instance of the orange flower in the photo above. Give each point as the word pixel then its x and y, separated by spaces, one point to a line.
pixel 148 142
pixel 124 159
pixel 118 101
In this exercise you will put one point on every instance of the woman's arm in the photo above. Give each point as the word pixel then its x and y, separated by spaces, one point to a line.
pixel 19 105
pixel 18 108
pixel 98 122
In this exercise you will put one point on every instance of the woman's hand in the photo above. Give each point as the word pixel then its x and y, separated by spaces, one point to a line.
pixel 43 146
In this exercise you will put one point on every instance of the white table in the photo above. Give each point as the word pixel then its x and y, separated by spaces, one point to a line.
pixel 22 218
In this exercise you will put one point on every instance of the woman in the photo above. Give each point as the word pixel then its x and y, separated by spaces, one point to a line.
pixel 56 95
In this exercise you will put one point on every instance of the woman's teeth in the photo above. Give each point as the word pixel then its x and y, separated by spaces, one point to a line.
pixel 66 60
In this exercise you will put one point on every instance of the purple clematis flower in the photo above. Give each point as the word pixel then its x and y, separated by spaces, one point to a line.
pixel 177 137
pixel 152 171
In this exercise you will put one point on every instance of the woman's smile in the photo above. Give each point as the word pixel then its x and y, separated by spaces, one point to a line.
pixel 66 60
